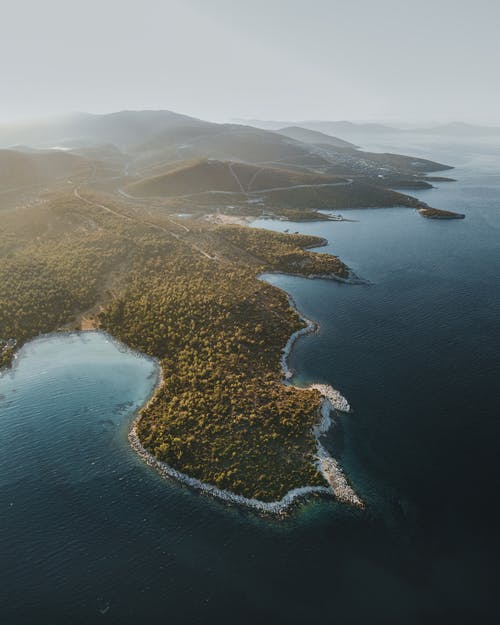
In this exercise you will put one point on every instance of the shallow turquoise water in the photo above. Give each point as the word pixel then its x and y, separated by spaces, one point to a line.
pixel 89 534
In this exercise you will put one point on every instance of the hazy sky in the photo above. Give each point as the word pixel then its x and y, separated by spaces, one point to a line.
pixel 221 59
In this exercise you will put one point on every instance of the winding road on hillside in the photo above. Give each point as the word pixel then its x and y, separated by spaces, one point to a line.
pixel 255 192
pixel 176 236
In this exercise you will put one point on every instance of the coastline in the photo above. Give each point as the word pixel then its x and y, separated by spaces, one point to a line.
pixel 338 488
pixel 122 347
pixel 332 400
pixel 276 508
pixel 352 279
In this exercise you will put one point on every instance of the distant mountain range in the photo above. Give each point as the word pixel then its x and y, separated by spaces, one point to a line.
pixel 154 138
pixel 165 134
pixel 151 137
pixel 357 131
pixel 199 165
pixel 460 129
pixel 149 144
pixel 314 137
pixel 121 129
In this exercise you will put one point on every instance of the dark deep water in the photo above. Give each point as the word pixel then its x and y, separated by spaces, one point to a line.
pixel 89 534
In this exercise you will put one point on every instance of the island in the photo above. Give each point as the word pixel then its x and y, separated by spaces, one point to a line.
pixel 435 213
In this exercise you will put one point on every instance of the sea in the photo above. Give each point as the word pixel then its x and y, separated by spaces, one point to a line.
pixel 90 534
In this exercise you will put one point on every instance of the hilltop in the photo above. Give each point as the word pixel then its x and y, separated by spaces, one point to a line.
pixel 244 189
pixel 227 142
pixel 123 128
pixel 313 136
pixel 360 132
pixel 211 175
pixel 154 136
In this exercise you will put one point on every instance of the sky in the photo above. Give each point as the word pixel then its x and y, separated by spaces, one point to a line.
pixel 385 60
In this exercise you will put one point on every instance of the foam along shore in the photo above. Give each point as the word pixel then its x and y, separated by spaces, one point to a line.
pixel 338 485
pixel 352 278
pixel 327 465
pixel 277 508
pixel 331 400
pixel 274 507
pixel 338 401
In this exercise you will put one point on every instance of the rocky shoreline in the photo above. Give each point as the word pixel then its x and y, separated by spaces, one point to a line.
pixel 331 400
pixel 437 213
pixel 326 464
pixel 352 278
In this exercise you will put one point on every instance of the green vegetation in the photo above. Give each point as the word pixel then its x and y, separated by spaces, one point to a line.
pixel 285 252
pixel 186 290
pixel 60 260
pixel 245 189
pixel 222 414
pixel 45 284
pixel 6 353
pixel 355 195
pixel 194 301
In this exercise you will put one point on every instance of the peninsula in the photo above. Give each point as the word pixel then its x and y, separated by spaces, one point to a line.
pixel 133 236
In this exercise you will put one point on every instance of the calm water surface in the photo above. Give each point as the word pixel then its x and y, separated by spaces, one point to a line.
pixel 89 534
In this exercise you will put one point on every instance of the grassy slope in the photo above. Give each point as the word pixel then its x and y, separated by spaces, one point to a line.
pixel 356 195
pixel 199 176
pixel 227 142
pixel 209 180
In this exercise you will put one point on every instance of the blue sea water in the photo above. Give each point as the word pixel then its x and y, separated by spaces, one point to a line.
pixel 89 534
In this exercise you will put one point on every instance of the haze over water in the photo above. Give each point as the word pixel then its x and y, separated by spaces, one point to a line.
pixel 92 535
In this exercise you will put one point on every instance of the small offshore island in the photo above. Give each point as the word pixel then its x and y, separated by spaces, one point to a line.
pixel 162 260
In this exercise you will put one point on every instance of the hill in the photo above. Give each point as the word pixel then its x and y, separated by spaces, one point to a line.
pixel 28 168
pixel 350 131
pixel 460 129
pixel 241 189
pixel 312 136
pixel 123 128
pixel 151 137
pixel 358 132
pixel 206 175
pixel 227 142
pixel 161 154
